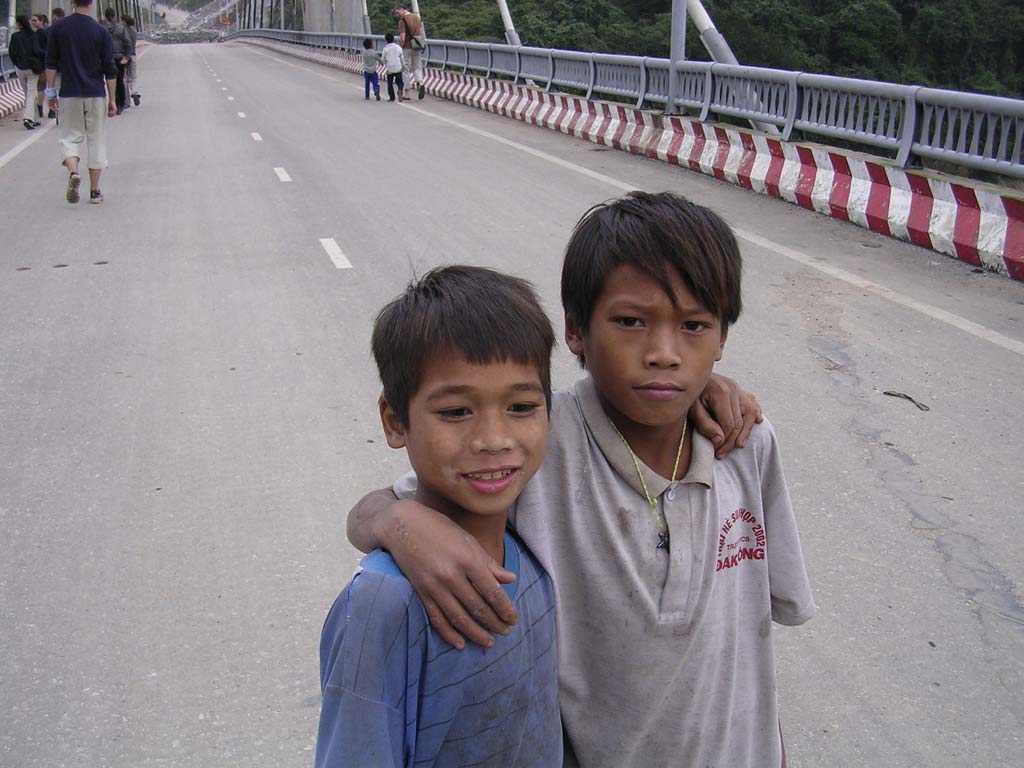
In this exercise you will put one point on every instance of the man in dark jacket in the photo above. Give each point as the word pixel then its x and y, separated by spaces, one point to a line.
pixel 84 53
pixel 122 52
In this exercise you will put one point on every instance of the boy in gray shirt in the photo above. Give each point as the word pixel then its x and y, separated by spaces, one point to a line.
pixel 371 60
pixel 669 566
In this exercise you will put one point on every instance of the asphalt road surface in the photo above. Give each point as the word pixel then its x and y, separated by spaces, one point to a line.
pixel 187 411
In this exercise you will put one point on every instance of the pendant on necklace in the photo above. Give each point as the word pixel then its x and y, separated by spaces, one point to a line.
pixel 662 540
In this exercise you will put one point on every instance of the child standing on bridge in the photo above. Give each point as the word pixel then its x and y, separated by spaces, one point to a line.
pixel 670 566
pixel 392 55
pixel 371 59
pixel 464 357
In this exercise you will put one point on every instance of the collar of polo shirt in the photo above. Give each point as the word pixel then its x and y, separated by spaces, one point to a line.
pixel 701 461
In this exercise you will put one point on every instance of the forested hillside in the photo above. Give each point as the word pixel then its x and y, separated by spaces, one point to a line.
pixel 973 45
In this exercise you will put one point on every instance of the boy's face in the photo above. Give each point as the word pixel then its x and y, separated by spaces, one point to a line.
pixel 650 360
pixel 476 433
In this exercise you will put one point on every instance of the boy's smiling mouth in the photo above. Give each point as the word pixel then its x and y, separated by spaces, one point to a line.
pixel 491 480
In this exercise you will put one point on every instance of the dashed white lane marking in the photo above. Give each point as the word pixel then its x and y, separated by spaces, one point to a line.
pixel 282 174
pixel 223 88
pixel 241 114
pixel 19 148
pixel 231 98
pixel 334 251
pixel 956 321
pixel 256 137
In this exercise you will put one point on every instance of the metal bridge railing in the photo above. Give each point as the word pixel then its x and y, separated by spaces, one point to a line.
pixel 976 131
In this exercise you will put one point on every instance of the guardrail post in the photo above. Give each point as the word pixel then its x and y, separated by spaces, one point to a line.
pixel 551 70
pixel 490 60
pixel 593 76
pixel 909 126
pixel 791 105
pixel 643 83
pixel 519 68
pixel 709 88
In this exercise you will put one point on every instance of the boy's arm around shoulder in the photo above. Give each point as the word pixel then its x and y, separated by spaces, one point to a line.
pixel 458 583
pixel 372 650
pixel 792 600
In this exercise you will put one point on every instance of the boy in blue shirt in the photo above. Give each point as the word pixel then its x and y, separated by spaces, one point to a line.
pixel 464 359
pixel 669 566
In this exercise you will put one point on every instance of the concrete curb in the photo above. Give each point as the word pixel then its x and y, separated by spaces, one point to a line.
pixel 12 97
pixel 971 221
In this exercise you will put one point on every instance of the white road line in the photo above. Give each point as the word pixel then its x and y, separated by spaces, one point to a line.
pixel 231 98
pixel 956 321
pixel 334 251
pixel 12 153
pixel 256 137
pixel 223 88
pixel 241 114
pixel 282 174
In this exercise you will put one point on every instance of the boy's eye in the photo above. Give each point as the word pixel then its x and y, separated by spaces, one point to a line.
pixel 695 325
pixel 629 322
pixel 524 408
pixel 453 413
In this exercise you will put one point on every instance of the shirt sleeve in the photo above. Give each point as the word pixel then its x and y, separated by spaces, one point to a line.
pixel 792 601
pixel 371 657
pixel 52 51
pixel 405 486
pixel 109 68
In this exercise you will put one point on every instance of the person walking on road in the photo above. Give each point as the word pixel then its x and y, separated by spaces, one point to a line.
pixel 27 57
pixel 40 25
pixel 122 52
pixel 83 52
pixel 393 63
pixel 130 74
pixel 413 41
pixel 371 59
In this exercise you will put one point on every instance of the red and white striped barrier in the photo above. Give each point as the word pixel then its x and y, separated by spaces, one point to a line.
pixel 12 97
pixel 972 221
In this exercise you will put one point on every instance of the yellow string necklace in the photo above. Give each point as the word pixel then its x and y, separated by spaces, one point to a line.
pixel 663 535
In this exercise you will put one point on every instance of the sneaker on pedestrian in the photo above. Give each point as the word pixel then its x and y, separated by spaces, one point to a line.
pixel 136 98
pixel 71 195
pixel 51 114
pixel 421 92
pixel 36 123
pixel 29 125
pixel 95 196
pixel 378 96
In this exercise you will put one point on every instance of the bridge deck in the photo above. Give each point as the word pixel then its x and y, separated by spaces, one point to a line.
pixel 188 408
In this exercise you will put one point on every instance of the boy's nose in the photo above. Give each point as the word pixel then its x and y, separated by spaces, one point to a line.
pixel 661 351
pixel 491 437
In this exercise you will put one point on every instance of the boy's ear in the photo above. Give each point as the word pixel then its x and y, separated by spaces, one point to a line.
pixel 394 429
pixel 573 336
pixel 721 344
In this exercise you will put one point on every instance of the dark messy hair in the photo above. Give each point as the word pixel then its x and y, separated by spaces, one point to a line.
pixel 110 14
pixel 478 313
pixel 653 233
pixel 389 38
pixel 367 43
pixel 22 21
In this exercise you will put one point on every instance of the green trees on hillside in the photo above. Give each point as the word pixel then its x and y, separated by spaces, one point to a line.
pixel 973 45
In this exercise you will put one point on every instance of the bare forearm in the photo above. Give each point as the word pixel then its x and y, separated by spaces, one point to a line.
pixel 364 527
pixel 111 89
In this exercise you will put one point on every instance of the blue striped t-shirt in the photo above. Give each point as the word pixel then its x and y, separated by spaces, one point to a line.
pixel 396 694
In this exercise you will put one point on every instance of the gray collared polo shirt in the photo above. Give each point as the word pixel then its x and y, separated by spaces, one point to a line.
pixel 665 656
